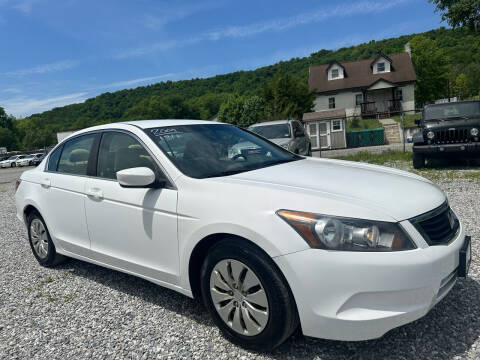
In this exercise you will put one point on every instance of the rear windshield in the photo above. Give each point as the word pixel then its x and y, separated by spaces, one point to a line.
pixel 278 131
pixel 452 111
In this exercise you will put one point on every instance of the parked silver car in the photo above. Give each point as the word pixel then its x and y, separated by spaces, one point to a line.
pixel 25 161
pixel 11 161
pixel 289 134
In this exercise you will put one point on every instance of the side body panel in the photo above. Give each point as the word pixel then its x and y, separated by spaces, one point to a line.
pixel 134 229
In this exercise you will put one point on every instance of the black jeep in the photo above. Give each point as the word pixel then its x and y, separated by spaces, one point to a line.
pixel 449 128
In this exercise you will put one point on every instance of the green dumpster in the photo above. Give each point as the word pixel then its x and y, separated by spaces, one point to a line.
pixel 368 137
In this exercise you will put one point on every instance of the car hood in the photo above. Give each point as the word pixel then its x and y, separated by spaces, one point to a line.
pixel 452 123
pixel 387 191
pixel 281 141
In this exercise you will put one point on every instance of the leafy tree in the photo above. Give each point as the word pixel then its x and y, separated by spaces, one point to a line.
pixel 286 97
pixel 461 86
pixel 157 107
pixel 7 139
pixel 231 111
pixel 209 104
pixel 460 12
pixel 242 111
pixel 253 111
pixel 8 131
pixel 6 121
pixel 431 67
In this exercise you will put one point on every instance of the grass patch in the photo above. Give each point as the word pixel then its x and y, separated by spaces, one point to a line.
pixel 474 175
pixel 383 158
pixel 363 124
pixel 409 119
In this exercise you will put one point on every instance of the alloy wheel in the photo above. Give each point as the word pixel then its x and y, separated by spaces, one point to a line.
pixel 39 237
pixel 239 297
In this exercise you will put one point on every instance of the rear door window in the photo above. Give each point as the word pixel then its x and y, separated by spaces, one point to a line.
pixel 53 159
pixel 75 155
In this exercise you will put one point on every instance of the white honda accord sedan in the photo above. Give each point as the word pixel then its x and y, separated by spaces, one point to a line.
pixel 269 240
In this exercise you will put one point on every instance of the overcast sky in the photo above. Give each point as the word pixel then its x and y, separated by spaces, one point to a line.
pixel 57 52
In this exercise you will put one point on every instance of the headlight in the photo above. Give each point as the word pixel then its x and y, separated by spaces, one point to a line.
pixel 337 233
pixel 474 132
pixel 430 135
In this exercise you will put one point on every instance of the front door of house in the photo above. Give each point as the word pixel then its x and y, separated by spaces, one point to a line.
pixel 319 133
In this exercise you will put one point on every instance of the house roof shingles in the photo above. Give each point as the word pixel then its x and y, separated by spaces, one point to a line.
pixel 359 74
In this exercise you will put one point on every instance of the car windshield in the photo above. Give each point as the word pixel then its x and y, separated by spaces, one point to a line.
pixel 202 151
pixel 12 157
pixel 277 131
pixel 452 111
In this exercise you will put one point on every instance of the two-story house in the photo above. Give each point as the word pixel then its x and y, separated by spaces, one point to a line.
pixel 376 87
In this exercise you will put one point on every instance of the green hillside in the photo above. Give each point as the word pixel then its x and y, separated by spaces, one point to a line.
pixel 201 98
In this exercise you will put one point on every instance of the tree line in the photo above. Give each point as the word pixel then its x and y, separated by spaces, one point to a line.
pixel 446 62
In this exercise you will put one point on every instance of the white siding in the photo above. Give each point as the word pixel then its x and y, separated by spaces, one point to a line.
pixel 387 66
pixel 340 72
pixel 380 85
pixel 344 100
pixel 408 103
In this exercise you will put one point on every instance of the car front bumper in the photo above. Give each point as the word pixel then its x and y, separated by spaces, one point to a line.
pixel 439 149
pixel 355 296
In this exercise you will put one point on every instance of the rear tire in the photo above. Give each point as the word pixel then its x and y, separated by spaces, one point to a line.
pixel 261 324
pixel 41 243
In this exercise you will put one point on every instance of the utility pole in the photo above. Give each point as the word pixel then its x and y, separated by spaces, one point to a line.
pixel 403 130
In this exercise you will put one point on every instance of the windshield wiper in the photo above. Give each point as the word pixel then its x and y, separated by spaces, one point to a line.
pixel 259 166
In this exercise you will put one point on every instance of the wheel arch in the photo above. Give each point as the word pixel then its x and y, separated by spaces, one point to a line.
pixel 200 251
pixel 28 209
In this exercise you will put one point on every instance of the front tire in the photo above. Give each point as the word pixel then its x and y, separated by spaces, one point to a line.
pixel 418 161
pixel 247 295
pixel 13 165
pixel 41 243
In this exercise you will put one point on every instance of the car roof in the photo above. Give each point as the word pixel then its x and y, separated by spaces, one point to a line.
pixel 451 103
pixel 145 124
pixel 275 122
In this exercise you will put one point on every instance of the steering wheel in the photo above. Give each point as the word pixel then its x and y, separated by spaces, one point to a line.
pixel 238 156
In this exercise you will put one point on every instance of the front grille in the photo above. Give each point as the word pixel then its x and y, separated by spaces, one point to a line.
pixel 439 226
pixel 450 136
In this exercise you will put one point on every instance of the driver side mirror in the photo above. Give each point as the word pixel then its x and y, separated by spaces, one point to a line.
pixel 139 177
pixel 298 133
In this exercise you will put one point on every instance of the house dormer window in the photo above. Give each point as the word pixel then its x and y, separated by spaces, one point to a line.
pixel 335 73
pixel 381 67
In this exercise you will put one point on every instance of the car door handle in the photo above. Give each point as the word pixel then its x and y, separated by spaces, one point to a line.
pixel 46 183
pixel 95 193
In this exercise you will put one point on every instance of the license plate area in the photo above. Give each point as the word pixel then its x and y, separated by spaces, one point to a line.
pixel 465 258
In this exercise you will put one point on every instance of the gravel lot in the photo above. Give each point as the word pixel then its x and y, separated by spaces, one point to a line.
pixel 84 311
